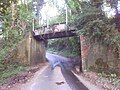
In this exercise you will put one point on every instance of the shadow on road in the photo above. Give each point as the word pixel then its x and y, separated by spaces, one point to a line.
pixel 66 70
pixel 72 80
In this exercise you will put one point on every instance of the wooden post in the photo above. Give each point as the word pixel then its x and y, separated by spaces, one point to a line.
pixel 47 21
pixel 33 25
pixel 66 15
pixel 66 18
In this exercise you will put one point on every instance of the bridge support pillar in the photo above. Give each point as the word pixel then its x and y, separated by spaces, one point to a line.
pixel 84 52
pixel 29 51
pixel 99 57
pixel 36 51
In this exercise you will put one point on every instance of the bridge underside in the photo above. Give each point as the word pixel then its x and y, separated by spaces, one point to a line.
pixel 54 35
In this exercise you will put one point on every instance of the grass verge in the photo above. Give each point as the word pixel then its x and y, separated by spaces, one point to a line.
pixel 10 71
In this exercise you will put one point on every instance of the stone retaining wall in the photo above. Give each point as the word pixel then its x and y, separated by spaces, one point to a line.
pixel 28 52
pixel 99 57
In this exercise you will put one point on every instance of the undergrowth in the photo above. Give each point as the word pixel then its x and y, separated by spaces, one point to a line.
pixel 114 78
pixel 10 69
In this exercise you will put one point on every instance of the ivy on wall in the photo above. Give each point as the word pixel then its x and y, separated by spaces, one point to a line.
pixel 93 23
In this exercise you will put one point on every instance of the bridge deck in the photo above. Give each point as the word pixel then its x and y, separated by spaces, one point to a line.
pixel 61 34
pixel 57 30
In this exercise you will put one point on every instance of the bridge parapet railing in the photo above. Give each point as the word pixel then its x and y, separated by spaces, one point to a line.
pixel 57 27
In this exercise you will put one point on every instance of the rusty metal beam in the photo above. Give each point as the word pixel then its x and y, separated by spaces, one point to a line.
pixel 61 34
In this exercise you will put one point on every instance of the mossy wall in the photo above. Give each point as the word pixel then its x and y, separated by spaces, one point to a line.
pixel 28 52
pixel 99 57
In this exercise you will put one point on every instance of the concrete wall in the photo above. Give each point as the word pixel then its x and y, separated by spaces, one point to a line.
pixel 28 52
pixel 96 56
pixel 37 51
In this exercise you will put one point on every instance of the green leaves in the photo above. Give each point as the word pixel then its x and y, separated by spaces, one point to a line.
pixel 92 23
pixel 5 5
pixel 74 5
pixel 66 46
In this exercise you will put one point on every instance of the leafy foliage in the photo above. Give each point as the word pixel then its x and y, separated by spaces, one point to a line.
pixel 66 46
pixel 60 18
pixel 96 26
pixel 10 71
pixel 23 23
pixel 74 5
pixel 12 34
pixel 4 5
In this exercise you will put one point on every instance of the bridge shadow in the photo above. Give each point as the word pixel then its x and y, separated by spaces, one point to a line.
pixel 71 79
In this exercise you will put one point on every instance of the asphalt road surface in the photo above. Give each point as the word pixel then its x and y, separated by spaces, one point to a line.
pixel 58 79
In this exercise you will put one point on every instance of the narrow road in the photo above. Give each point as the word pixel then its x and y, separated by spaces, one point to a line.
pixel 47 80
pixel 57 79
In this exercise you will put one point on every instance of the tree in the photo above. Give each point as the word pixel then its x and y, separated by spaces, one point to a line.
pixel 4 5
pixel 17 21
pixel 97 27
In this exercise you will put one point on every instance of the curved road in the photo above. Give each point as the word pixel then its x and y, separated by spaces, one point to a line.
pixel 57 79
